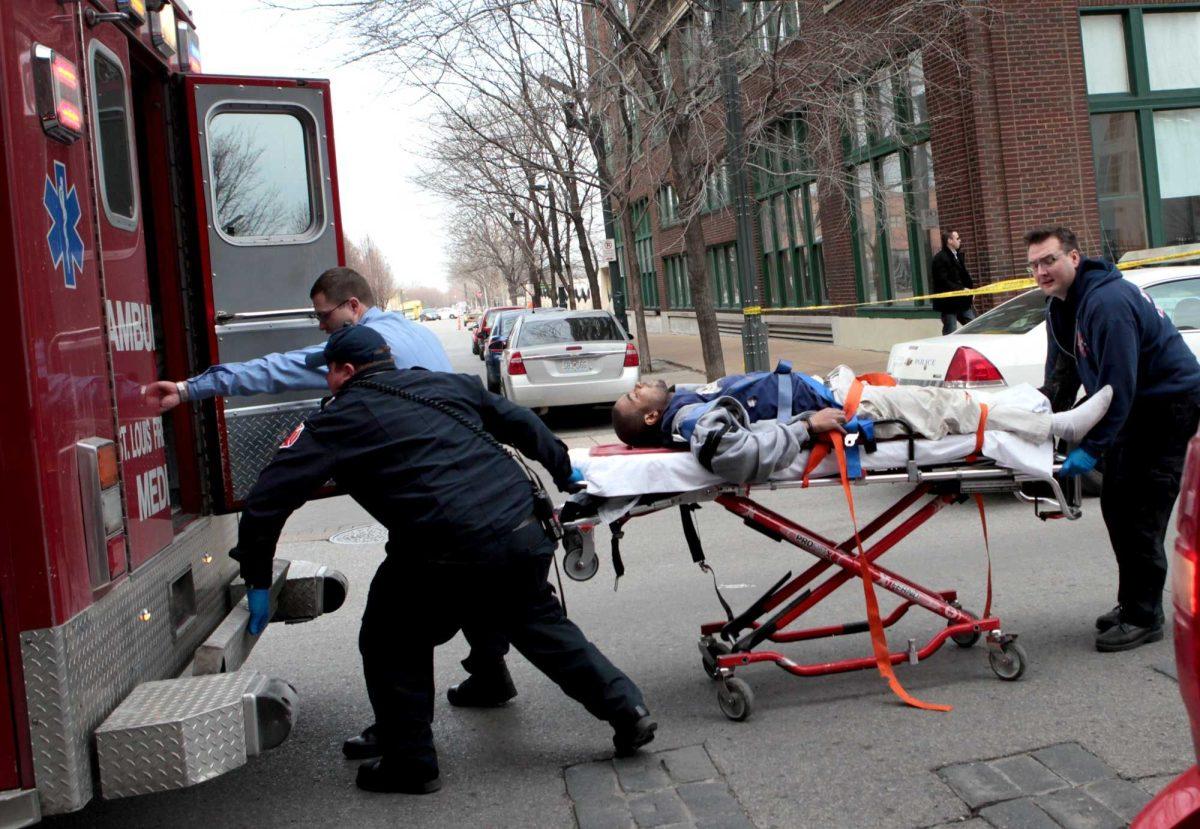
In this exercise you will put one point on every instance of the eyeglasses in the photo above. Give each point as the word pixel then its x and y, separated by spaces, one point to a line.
pixel 323 316
pixel 1045 263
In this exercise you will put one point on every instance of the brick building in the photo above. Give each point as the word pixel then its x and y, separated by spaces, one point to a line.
pixel 1080 113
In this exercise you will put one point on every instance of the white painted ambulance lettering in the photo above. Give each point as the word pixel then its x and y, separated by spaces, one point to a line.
pixel 152 492
pixel 130 326
pixel 121 445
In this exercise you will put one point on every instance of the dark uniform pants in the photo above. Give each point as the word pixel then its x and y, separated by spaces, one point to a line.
pixel 1142 471
pixel 412 607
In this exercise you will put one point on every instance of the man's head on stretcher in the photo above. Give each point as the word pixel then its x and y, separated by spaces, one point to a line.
pixel 654 415
pixel 637 417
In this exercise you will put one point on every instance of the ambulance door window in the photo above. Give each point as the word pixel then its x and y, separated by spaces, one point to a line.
pixel 263 177
pixel 110 103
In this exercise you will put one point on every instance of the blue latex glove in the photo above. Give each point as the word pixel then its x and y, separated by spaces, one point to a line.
pixel 259 599
pixel 1078 462
pixel 576 475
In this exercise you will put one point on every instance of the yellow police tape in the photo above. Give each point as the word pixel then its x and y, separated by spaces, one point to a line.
pixel 1004 286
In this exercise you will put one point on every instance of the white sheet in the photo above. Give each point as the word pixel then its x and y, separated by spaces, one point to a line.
pixel 616 476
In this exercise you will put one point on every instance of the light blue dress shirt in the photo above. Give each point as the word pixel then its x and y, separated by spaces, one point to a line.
pixel 412 344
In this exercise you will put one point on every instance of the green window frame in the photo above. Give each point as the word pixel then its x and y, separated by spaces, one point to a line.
pixel 892 191
pixel 643 247
pixel 793 262
pixel 723 275
pixel 668 206
pixel 717 192
pixel 679 292
pixel 1131 128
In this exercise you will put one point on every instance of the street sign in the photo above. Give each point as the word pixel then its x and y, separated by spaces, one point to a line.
pixel 610 250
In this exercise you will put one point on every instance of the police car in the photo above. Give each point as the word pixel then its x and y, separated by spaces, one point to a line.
pixel 1007 345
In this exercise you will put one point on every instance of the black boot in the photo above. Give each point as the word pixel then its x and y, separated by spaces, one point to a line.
pixel 1109 619
pixel 631 734
pixel 1113 617
pixel 363 746
pixel 397 777
pixel 1124 636
pixel 479 690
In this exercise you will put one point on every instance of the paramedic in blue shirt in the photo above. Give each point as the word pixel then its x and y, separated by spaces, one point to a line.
pixel 341 297
pixel 1117 336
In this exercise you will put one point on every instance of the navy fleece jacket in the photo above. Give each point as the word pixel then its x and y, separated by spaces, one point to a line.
pixel 1119 338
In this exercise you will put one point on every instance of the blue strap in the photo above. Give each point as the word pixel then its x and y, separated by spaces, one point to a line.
pixel 688 424
pixel 783 404
pixel 853 462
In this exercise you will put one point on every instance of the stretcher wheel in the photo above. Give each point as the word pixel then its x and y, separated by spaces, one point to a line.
pixel 576 568
pixel 710 649
pixel 735 699
pixel 1008 661
pixel 965 640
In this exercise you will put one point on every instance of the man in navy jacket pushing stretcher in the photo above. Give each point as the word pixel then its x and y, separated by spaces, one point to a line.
pixel 746 427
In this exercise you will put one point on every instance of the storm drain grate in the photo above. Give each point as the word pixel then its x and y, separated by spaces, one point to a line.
pixel 678 788
pixel 366 534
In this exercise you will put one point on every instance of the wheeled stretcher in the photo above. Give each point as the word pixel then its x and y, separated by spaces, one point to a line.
pixel 933 481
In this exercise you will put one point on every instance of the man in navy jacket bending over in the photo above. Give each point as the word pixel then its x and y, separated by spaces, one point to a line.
pixel 1118 337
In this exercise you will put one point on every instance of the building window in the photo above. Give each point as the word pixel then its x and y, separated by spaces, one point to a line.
pixel 722 267
pixel 679 292
pixel 717 194
pixel 892 191
pixel 1143 79
pixel 789 219
pixel 668 206
pixel 643 247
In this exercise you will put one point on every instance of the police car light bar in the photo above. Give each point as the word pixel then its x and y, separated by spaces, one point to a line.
pixel 57 89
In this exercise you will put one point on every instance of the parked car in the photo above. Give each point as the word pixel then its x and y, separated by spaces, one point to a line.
pixel 1178 805
pixel 430 314
pixel 497 339
pixel 471 317
pixel 480 334
pixel 1007 345
pixel 448 313
pixel 567 358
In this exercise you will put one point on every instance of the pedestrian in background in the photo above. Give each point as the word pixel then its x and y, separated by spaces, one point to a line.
pixel 949 273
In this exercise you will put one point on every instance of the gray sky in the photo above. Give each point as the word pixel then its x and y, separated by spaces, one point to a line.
pixel 376 125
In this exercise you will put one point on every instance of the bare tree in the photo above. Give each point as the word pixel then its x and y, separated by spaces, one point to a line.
pixel 365 257
pixel 580 94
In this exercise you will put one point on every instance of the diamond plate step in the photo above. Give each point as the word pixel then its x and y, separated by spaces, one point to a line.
pixel 179 732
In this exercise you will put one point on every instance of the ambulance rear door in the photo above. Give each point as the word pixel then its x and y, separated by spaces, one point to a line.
pixel 266 192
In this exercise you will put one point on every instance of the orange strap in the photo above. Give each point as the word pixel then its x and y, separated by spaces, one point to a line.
pixel 987 551
pixel 874 622
pixel 820 450
pixel 983 416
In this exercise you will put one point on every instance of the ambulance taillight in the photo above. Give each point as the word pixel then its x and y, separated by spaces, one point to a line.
pixel 100 500
pixel 57 90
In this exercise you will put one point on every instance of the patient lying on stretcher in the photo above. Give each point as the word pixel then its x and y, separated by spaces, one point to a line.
pixel 734 427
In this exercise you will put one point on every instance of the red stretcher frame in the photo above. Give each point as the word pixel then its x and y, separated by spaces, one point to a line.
pixel 728 645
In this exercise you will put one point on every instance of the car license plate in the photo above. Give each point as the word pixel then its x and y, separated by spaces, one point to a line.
pixel 574 366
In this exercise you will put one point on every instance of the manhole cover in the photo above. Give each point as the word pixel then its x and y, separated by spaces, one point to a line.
pixel 366 534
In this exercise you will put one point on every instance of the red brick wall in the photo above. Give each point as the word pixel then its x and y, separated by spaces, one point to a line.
pixel 1011 144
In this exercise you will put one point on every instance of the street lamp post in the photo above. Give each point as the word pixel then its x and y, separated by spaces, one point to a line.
pixel 754 328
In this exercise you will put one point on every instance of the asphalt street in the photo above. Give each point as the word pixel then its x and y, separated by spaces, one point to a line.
pixel 832 751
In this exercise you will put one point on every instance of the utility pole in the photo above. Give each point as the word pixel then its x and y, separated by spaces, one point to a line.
pixel 754 328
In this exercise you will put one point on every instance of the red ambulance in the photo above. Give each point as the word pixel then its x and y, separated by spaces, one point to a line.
pixel 153 221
